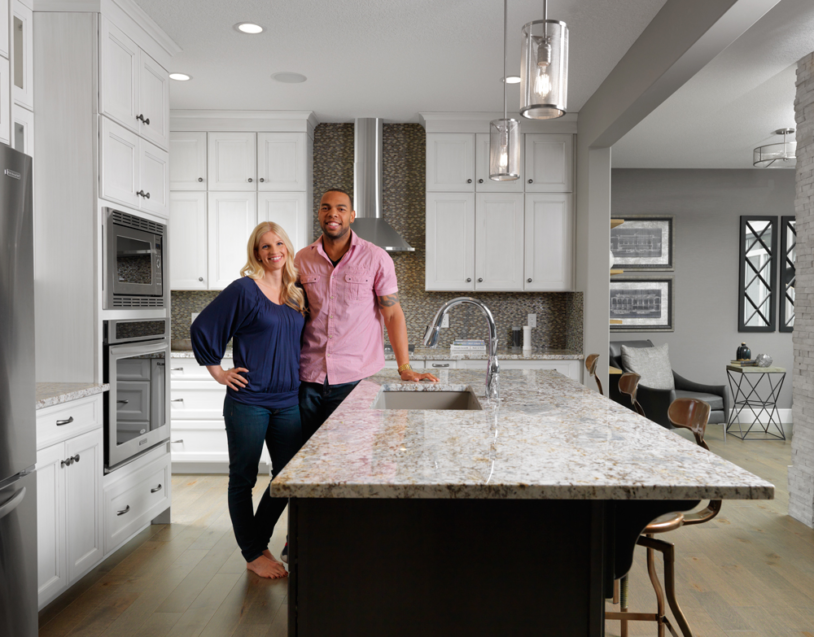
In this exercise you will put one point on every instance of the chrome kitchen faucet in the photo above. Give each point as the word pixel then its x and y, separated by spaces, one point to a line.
pixel 493 368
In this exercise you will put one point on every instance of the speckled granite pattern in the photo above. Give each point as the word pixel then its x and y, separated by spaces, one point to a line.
pixel 49 394
pixel 421 354
pixel 559 314
pixel 548 437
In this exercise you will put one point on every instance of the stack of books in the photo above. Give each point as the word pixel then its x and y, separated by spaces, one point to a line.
pixel 751 363
pixel 468 345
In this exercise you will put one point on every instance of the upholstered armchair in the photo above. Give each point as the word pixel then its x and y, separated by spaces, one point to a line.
pixel 656 402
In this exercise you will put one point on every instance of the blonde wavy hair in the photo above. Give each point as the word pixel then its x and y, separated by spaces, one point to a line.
pixel 294 298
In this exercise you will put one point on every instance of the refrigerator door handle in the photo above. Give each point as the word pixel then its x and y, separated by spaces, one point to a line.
pixel 9 505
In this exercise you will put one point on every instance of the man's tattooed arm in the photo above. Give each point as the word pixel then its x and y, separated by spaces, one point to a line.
pixel 389 301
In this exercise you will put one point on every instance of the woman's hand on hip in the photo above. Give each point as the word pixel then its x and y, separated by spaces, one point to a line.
pixel 229 377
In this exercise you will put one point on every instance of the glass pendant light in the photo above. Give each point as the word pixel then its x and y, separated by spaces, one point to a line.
pixel 544 68
pixel 781 155
pixel 504 135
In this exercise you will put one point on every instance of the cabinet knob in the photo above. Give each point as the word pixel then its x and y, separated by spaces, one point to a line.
pixel 141 193
pixel 125 510
pixel 146 195
pixel 262 179
pixel 64 422
pixel 480 181
pixel 528 280
pixel 250 180
pixel 200 278
pixel 200 179
pixel 65 463
pixel 469 280
pixel 142 119
pixel 469 181
pixel 75 458
pixel 531 181
pixel 480 280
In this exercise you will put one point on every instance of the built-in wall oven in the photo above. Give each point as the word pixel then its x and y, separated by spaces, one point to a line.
pixel 136 354
pixel 134 261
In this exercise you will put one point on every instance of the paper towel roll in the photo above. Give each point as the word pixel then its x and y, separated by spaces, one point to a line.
pixel 527 337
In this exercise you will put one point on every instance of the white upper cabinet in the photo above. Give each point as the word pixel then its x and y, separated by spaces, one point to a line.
pixel 119 159
pixel 484 184
pixel 5 112
pixel 154 101
pixel 154 170
pixel 4 13
pixel 232 161
pixel 450 241
pixel 188 241
pixel 549 163
pixel 549 242
pixel 450 162
pixel 118 82
pixel 281 163
pixel 291 211
pixel 499 242
pixel 187 161
pixel 22 54
pixel 231 219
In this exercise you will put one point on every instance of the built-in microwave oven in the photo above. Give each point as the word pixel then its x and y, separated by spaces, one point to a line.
pixel 134 261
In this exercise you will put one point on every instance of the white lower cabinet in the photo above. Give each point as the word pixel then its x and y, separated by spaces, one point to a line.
pixel 69 536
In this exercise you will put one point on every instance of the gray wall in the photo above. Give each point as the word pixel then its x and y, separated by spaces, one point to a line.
pixel 707 205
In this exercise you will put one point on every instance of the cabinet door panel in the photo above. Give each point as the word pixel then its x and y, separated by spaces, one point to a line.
pixel 119 172
pixel 5 112
pixel 52 576
pixel 188 246
pixel 281 161
pixel 549 243
pixel 22 55
pixel 484 184
pixel 4 13
pixel 549 163
pixel 450 241
pixel 232 216
pixel 187 161
pixel 155 178
pixel 118 84
pixel 154 101
pixel 22 130
pixel 290 210
pixel 232 161
pixel 499 242
pixel 450 162
pixel 83 502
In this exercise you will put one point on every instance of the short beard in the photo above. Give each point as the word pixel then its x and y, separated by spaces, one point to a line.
pixel 334 237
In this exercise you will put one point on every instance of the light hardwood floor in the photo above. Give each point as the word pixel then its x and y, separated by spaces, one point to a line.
pixel 748 573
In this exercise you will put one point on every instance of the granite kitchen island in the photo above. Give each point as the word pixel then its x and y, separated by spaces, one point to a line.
pixel 509 520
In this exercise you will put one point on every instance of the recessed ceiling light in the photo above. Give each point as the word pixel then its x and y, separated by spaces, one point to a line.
pixel 512 79
pixel 180 77
pixel 289 78
pixel 248 27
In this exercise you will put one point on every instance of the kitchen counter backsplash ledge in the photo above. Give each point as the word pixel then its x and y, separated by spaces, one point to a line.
pixel 444 354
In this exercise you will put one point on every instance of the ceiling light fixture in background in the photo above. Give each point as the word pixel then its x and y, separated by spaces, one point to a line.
pixel 504 135
pixel 780 155
pixel 249 28
pixel 544 68
pixel 289 78
pixel 512 79
pixel 180 77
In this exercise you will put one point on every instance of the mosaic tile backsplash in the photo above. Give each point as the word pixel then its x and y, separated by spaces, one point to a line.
pixel 559 314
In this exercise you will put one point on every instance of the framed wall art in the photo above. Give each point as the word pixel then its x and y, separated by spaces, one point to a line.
pixel 642 304
pixel 643 243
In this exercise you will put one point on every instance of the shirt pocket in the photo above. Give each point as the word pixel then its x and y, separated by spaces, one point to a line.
pixel 358 285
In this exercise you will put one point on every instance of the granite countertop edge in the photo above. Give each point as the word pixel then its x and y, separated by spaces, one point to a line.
pixel 444 354
pixel 50 394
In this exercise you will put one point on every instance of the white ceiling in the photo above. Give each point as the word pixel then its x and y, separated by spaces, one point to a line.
pixel 383 58
pixel 720 115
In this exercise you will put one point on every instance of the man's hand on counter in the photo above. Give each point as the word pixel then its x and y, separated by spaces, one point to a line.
pixel 409 374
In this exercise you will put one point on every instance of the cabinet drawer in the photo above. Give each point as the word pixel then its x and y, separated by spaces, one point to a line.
pixel 441 364
pixel 132 502
pixel 199 441
pixel 197 400
pixel 188 369
pixel 60 422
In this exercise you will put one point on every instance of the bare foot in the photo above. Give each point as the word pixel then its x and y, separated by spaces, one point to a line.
pixel 264 567
pixel 268 554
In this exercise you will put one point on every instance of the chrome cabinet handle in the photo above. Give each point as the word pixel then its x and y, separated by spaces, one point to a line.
pixel 469 181
pixel 480 181
pixel 175 442
pixel 123 511
pixel 142 119
pixel 158 488
pixel 66 463
pixel 469 280
pixel 200 179
pixel 177 400
pixel 200 278
pixel 75 458
pixel 147 195
pixel 440 364
pixel 480 280
pixel 140 193
pixel 64 422
pixel 528 280
pixel 250 180
pixel 531 181
pixel 177 369
pixel 262 179
pixel 123 402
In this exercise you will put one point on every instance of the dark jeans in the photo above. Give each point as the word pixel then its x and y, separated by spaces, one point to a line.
pixel 247 426
pixel 317 402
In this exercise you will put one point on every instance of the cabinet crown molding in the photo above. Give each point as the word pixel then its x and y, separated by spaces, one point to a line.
pixel 478 122
pixel 211 120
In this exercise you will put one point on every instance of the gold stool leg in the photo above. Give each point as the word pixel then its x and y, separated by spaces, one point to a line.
pixel 654 579
pixel 669 583
pixel 616 591
pixel 623 597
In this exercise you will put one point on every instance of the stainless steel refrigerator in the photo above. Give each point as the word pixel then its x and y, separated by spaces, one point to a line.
pixel 18 447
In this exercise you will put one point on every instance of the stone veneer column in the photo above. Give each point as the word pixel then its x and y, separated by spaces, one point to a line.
pixel 801 473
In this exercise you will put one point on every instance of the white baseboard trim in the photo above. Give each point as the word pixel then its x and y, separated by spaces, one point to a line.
pixel 179 468
pixel 747 416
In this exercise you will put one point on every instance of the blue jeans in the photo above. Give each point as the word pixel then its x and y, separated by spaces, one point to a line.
pixel 247 427
pixel 318 401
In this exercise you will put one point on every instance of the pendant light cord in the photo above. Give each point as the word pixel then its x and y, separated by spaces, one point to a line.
pixel 505 13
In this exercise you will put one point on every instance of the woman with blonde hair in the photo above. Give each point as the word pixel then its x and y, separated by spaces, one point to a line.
pixel 262 313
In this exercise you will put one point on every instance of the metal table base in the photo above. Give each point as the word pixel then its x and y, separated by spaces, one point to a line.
pixel 745 394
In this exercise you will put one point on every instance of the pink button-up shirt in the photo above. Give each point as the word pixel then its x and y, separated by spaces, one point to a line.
pixel 343 333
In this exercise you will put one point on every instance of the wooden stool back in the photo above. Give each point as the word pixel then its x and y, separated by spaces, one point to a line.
pixel 628 384
pixel 692 414
pixel 590 365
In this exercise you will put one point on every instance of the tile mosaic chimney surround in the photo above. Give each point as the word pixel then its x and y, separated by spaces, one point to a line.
pixel 559 314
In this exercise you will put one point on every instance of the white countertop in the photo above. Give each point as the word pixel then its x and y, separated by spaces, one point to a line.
pixel 49 394
pixel 549 438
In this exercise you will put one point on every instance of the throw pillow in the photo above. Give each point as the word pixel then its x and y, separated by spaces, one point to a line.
pixel 651 363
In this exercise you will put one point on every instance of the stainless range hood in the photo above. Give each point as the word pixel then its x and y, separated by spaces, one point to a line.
pixel 367 188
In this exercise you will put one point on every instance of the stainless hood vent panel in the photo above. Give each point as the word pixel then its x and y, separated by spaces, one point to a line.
pixel 367 188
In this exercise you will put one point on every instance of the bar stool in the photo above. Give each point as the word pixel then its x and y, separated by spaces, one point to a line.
pixel 590 365
pixel 628 384
pixel 692 414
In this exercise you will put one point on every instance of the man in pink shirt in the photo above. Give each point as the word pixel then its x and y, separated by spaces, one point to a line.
pixel 352 290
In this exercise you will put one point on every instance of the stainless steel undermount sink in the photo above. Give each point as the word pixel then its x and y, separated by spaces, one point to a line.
pixel 427 400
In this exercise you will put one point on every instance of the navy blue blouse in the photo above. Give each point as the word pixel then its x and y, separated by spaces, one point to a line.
pixel 265 340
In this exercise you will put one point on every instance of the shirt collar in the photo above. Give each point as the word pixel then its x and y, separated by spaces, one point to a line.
pixel 320 248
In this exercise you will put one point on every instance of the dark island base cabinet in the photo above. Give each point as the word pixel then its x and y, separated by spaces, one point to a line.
pixel 374 567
